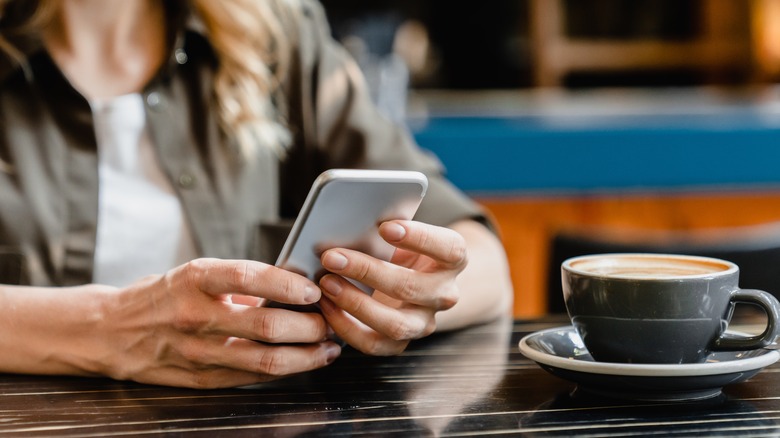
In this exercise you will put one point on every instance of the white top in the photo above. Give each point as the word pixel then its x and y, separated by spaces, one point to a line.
pixel 141 228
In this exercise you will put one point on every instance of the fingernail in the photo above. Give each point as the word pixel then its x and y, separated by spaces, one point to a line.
pixel 334 261
pixel 394 231
pixel 330 285
pixel 311 294
pixel 332 351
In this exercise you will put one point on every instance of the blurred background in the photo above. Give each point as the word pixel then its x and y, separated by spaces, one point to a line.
pixel 591 125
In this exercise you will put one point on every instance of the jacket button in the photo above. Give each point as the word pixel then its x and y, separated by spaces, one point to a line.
pixel 186 180
pixel 181 56
pixel 154 100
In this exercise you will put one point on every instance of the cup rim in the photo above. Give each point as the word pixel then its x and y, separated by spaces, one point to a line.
pixel 731 267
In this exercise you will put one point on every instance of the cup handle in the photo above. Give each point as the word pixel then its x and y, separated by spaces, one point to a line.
pixel 770 304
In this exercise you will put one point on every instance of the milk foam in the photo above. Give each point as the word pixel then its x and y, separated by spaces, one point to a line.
pixel 650 267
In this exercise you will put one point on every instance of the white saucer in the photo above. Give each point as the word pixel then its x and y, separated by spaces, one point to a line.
pixel 561 352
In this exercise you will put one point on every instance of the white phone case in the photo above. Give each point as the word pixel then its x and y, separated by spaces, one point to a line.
pixel 344 209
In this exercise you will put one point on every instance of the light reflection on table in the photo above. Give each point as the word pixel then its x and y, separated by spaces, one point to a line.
pixel 471 382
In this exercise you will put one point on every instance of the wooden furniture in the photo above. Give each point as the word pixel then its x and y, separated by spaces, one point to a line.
pixel 723 43
pixel 469 383
pixel 529 224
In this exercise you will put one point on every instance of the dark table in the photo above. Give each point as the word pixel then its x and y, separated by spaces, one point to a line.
pixel 471 382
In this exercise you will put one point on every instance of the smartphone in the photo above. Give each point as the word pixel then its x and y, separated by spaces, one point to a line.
pixel 344 209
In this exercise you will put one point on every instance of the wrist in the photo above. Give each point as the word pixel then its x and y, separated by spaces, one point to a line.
pixel 60 328
pixel 90 347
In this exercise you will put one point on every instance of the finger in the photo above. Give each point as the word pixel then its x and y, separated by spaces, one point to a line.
pixel 217 277
pixel 210 377
pixel 408 322
pixel 275 360
pixel 357 334
pixel 271 325
pixel 224 362
pixel 442 244
pixel 203 379
pixel 408 285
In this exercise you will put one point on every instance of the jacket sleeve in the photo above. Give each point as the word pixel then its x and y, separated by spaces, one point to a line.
pixel 339 125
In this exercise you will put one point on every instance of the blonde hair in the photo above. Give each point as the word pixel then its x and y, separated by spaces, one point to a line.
pixel 245 86
pixel 29 17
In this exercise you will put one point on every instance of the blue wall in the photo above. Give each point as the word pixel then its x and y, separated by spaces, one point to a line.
pixel 498 155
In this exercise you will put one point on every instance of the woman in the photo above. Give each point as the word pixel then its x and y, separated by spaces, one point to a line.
pixel 140 137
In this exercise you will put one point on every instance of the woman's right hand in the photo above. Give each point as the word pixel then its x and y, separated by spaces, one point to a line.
pixel 184 328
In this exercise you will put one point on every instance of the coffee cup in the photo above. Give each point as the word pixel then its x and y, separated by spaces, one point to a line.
pixel 660 308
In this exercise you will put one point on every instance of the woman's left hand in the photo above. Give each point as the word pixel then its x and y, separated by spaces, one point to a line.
pixel 419 281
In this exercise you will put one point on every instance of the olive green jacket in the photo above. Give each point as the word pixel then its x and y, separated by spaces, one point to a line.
pixel 237 208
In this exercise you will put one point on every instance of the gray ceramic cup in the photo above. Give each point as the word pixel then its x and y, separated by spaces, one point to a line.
pixel 659 308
